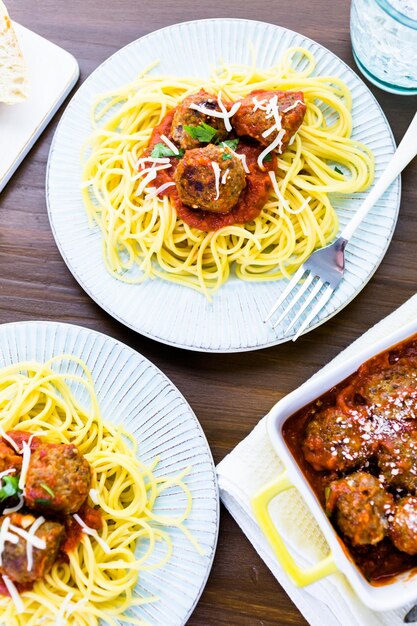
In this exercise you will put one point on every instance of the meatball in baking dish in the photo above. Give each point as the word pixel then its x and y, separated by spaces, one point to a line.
pixel 361 507
pixel 397 461
pixel 404 525
pixel 336 441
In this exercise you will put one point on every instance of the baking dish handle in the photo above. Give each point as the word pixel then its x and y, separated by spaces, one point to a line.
pixel 301 577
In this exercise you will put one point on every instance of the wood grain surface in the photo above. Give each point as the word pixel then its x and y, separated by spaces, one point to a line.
pixel 229 393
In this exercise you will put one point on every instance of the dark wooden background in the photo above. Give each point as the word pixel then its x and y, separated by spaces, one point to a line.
pixel 229 393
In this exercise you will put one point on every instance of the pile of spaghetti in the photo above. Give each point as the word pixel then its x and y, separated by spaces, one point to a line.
pixel 97 579
pixel 142 235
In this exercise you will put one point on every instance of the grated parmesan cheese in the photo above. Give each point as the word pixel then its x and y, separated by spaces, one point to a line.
pixel 242 157
pixel 93 533
pixel 33 539
pixel 26 451
pixel 93 493
pixel 60 619
pixel 277 142
pixel 143 160
pixel 14 594
pixel 281 198
pixel 224 177
pixel 10 440
pixel 217 172
pixel 154 191
pixel 170 145
pixel 223 114
pixel 16 508
pixel 293 106
pixel 29 545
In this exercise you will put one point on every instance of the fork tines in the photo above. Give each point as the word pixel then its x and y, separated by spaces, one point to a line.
pixel 297 294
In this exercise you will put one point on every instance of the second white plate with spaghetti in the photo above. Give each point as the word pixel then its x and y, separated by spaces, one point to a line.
pixel 134 393
pixel 171 313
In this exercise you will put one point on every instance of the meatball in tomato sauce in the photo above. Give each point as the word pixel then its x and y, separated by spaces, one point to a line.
pixel 336 441
pixel 186 116
pixel 263 114
pixel 404 525
pixel 361 507
pixel 58 479
pixel 205 180
pixel 15 555
pixel 397 462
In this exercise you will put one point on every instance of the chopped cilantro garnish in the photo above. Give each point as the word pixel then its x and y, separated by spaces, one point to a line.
pixel 161 150
pixel 10 487
pixel 47 489
pixel 46 501
pixel 268 158
pixel 226 156
pixel 203 132
pixel 230 143
pixel 338 170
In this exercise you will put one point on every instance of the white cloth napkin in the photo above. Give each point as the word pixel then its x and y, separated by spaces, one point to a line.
pixel 251 465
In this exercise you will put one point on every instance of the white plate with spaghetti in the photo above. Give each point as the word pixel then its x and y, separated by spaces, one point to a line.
pixel 153 491
pixel 203 289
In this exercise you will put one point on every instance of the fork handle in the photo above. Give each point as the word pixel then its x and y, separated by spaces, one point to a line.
pixel 406 151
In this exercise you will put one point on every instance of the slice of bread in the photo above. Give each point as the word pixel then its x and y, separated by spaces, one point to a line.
pixel 13 80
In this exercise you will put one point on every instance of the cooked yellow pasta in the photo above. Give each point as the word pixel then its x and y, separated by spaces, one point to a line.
pixel 94 584
pixel 141 233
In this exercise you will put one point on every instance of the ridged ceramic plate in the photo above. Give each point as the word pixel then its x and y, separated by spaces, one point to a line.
pixel 133 392
pixel 174 314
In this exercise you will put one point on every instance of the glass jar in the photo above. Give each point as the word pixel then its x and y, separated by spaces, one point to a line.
pixel 384 42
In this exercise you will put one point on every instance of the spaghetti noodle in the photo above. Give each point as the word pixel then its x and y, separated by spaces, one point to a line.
pixel 141 233
pixel 97 581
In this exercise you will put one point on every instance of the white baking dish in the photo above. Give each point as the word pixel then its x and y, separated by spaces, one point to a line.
pixel 399 590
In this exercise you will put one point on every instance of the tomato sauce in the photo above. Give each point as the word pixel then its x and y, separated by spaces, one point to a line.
pixel 21 587
pixel 381 562
pixel 73 531
pixel 252 198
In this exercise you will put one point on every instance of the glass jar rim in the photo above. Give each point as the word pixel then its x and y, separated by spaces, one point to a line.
pixel 400 17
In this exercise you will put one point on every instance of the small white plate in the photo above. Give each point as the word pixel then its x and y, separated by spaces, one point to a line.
pixel 171 313
pixel 133 392
pixel 52 73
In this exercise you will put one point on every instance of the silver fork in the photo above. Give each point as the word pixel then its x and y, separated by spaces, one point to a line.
pixel 325 267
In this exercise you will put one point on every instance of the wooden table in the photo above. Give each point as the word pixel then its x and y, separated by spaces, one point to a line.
pixel 229 393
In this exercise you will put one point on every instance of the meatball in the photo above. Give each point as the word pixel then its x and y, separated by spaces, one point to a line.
pixel 184 116
pixel 58 479
pixel 255 115
pixel 404 525
pixel 391 394
pixel 335 441
pixel 9 459
pixel 200 188
pixel 361 507
pixel 397 461
pixel 14 557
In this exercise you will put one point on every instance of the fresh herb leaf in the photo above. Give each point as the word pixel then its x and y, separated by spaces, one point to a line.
pixel 230 143
pixel 47 489
pixel 226 156
pixel 338 170
pixel 42 501
pixel 203 132
pixel 161 150
pixel 268 158
pixel 10 487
